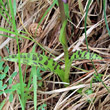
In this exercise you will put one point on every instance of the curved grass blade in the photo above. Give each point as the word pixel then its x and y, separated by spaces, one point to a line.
pixel 105 16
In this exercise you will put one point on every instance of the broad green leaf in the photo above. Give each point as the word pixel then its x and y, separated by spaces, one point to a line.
pixel 35 59
pixel 1 92
pixel 80 55
pixel 6 69
pixel 3 87
pixel 8 91
pixel 2 76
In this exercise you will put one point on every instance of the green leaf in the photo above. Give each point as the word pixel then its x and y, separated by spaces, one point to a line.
pixel 39 77
pixel 11 77
pixel 2 76
pixel 42 107
pixel 7 31
pixel 7 49
pixel 10 81
pixel 13 74
pixel 35 59
pixel 97 77
pixel 35 85
pixel 66 8
pixel 61 37
pixel 7 36
pixel 16 87
pixel 80 90
pixel 40 84
pixel 2 104
pixel 14 7
pixel 1 84
pixel 8 91
pixel 1 65
pixel 89 91
pixel 1 92
pixel 11 97
pixel 6 69
pixel 81 55
pixel 3 87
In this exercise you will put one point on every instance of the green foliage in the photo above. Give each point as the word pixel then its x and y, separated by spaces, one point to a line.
pixel 97 77
pixel 2 104
pixel 42 107
pixel 39 76
pixel 34 85
pixel 80 55
pixel 64 14
pixel 80 90
pixel 89 91
pixel 85 25
pixel 35 59
pixel 66 8
pixel 3 75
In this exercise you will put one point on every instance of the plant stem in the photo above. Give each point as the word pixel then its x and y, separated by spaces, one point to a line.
pixel 63 41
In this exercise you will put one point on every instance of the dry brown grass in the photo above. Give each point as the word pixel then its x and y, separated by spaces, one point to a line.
pixel 53 93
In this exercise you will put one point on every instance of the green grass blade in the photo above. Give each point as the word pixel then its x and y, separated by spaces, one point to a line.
pixel 7 31
pixel 14 7
pixel 106 17
pixel 88 48
pixel 35 86
pixel 2 14
pixel 20 71
pixel 66 8
pixel 6 11
pixel 7 36
pixel 54 2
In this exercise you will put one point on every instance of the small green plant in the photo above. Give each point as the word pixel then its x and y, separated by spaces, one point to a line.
pixel 97 78
pixel 87 92
pixel 42 107
pixel 35 59
pixel 4 86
